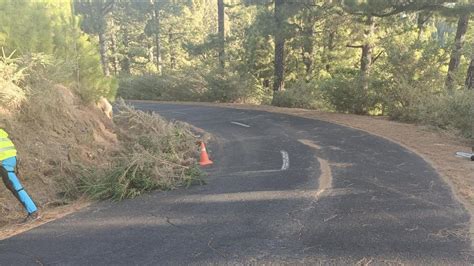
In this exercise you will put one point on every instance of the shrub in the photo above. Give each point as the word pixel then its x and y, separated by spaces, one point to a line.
pixel 193 85
pixel 146 87
pixel 346 94
pixel 230 86
pixel 444 110
pixel 184 86
pixel 301 94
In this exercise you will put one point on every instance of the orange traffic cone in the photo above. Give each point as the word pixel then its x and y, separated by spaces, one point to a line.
pixel 204 157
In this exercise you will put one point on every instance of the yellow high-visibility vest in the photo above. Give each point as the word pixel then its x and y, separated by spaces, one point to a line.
pixel 7 148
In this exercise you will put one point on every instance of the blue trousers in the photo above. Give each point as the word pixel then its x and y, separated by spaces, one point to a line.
pixel 13 184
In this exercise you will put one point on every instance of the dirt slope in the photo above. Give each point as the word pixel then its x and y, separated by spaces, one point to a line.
pixel 55 134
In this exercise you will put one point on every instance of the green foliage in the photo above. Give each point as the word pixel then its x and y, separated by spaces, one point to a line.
pixel 191 85
pixel 302 94
pixel 346 94
pixel 184 86
pixel 46 34
pixel 89 80
pixel 393 7
pixel 410 51
pixel 229 86
pixel 445 111
pixel 25 27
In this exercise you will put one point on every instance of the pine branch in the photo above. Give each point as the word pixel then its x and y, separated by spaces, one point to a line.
pixel 377 56
pixel 354 46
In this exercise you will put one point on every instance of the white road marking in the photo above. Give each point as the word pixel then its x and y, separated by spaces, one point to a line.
pixel 239 124
pixel 286 160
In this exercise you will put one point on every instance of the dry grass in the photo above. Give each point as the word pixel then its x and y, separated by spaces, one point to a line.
pixel 156 154
pixel 67 149
pixel 54 134
pixel 11 95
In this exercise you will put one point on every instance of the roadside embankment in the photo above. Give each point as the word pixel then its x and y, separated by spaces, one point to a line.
pixel 70 152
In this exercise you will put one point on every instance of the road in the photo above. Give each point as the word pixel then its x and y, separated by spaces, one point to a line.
pixel 282 189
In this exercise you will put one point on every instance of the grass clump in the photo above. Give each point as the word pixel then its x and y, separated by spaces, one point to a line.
pixel 156 154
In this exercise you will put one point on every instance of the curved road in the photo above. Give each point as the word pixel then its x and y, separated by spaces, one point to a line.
pixel 282 189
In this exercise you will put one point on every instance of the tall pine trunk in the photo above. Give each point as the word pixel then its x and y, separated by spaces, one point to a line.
pixel 328 50
pixel 221 31
pixel 171 45
pixel 279 63
pixel 157 31
pixel 103 53
pixel 470 75
pixel 366 58
pixel 456 53
pixel 307 47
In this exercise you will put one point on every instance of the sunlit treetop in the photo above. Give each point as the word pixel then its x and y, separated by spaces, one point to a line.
pixel 385 8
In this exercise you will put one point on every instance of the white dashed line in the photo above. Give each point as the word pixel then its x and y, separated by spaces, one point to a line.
pixel 286 160
pixel 239 124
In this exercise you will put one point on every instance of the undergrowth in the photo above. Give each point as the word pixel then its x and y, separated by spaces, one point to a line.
pixel 212 85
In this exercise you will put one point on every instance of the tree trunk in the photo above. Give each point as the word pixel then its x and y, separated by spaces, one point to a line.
pixel 279 63
pixel 366 58
pixel 221 31
pixel 156 20
pixel 421 25
pixel 470 75
pixel 103 53
pixel 307 48
pixel 330 49
pixel 422 18
pixel 171 47
pixel 307 61
pixel 125 64
pixel 456 53
pixel 151 54
pixel 472 119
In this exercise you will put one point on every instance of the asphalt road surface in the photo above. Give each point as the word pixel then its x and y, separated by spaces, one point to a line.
pixel 282 189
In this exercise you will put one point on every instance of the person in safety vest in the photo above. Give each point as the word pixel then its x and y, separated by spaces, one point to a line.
pixel 7 171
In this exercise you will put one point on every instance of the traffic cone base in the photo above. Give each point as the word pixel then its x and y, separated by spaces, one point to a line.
pixel 204 156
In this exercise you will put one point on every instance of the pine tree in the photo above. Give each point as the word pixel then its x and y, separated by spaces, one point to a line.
pixel 95 14
pixel 456 52
pixel 221 30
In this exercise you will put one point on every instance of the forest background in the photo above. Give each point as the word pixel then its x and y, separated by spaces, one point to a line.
pixel 409 60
